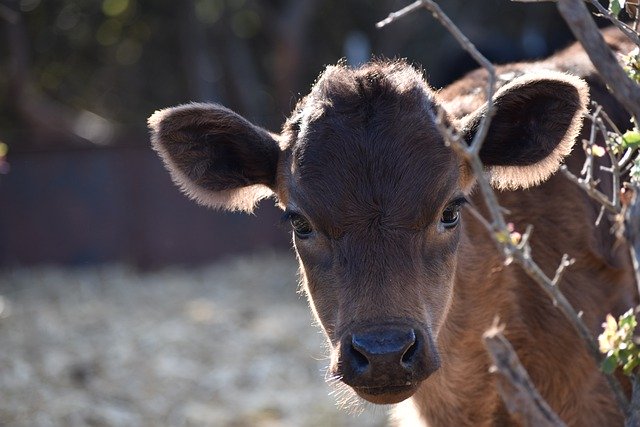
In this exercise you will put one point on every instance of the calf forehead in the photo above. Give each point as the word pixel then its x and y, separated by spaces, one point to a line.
pixel 368 152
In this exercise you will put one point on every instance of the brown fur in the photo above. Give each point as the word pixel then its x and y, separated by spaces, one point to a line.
pixel 361 159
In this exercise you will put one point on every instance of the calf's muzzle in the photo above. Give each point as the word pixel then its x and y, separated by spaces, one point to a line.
pixel 386 364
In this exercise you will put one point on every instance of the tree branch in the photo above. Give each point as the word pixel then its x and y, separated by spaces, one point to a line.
pixel 515 387
pixel 579 20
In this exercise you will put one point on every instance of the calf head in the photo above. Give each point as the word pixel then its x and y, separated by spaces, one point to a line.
pixel 373 196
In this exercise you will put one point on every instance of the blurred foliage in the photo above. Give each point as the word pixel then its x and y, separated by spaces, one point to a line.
pixel 617 342
pixel 632 65
pixel 616 6
pixel 94 55
pixel 629 6
pixel 630 139
pixel 122 59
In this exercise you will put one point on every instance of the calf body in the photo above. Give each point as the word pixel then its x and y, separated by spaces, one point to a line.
pixel 402 281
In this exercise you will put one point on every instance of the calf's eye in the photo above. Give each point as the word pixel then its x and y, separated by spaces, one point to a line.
pixel 451 214
pixel 300 225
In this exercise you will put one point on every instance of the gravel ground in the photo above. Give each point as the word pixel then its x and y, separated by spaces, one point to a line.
pixel 231 344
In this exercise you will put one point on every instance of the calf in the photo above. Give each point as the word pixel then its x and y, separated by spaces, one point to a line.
pixel 401 280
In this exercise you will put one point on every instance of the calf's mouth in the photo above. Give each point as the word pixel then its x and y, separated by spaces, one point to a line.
pixel 386 395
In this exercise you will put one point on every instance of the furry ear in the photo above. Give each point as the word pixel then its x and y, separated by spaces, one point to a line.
pixel 216 156
pixel 538 116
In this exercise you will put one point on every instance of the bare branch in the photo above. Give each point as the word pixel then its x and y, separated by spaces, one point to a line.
pixel 591 190
pixel 578 17
pixel 524 243
pixel 566 262
pixel 626 158
pixel 394 16
pixel 553 291
pixel 515 387
pixel 628 31
pixel 600 216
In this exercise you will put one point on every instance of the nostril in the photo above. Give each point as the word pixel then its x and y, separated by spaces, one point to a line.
pixel 410 352
pixel 359 361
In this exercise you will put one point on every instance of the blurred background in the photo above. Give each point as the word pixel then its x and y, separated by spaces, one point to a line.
pixel 122 302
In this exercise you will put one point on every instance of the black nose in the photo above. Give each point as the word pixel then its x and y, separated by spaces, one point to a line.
pixel 384 357
pixel 389 347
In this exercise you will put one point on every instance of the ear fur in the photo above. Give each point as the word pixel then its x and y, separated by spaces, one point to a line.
pixel 215 156
pixel 538 117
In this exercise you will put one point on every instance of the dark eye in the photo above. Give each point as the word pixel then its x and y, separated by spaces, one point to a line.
pixel 451 214
pixel 300 225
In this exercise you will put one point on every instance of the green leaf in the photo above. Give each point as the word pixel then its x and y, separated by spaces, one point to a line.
pixel 616 6
pixel 631 139
pixel 609 364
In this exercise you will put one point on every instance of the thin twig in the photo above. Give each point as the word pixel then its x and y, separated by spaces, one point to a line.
pixel 566 262
pixel 610 122
pixel 628 31
pixel 394 16
pixel 591 190
pixel 592 137
pixel 626 158
pixel 524 242
pixel 615 176
pixel 600 216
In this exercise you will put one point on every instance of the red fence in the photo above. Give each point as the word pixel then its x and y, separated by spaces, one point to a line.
pixel 116 204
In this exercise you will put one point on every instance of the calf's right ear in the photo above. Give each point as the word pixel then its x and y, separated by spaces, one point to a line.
pixel 216 156
pixel 538 117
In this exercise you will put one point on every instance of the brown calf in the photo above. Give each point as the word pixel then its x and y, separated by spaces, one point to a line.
pixel 402 283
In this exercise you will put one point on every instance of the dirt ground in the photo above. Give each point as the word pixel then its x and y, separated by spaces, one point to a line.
pixel 231 344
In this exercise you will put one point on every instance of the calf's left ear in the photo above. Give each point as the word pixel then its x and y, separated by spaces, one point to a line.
pixel 216 156
pixel 537 120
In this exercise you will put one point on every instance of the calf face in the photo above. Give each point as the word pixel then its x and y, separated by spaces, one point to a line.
pixel 374 197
